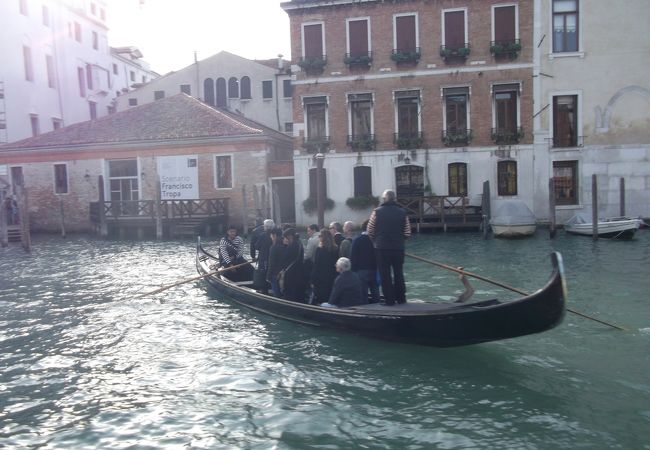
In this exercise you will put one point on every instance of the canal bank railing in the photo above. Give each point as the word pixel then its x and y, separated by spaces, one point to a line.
pixel 442 212
pixel 174 215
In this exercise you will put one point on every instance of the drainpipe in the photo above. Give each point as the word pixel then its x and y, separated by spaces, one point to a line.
pixel 277 91
pixel 53 24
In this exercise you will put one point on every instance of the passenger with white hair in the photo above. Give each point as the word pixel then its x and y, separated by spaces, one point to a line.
pixel 262 245
pixel 347 287
pixel 346 243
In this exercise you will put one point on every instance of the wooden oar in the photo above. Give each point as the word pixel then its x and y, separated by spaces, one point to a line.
pixel 505 286
pixel 198 277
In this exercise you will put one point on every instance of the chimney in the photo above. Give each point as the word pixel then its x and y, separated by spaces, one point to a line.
pixel 280 62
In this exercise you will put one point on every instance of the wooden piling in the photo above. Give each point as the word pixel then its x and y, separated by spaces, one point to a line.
pixel 23 205
pixel 4 236
pixel 551 208
pixel 103 226
pixel 594 206
pixel 158 211
pixel 244 210
pixel 485 207
pixel 622 203
pixel 62 217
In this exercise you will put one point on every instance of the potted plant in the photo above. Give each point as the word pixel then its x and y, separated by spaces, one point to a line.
pixel 310 205
pixel 312 64
pixel 362 202
pixel 361 60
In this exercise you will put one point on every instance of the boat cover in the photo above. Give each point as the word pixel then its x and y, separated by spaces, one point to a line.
pixel 512 212
pixel 579 218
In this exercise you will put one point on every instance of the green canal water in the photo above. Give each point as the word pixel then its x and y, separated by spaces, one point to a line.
pixel 84 364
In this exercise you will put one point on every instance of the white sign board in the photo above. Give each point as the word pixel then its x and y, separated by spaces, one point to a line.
pixel 179 177
pixel 3 169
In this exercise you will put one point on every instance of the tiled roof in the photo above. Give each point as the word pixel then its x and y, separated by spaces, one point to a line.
pixel 172 118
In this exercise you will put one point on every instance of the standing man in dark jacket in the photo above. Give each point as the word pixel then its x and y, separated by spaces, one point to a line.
pixel 388 228
pixel 364 263
pixel 262 244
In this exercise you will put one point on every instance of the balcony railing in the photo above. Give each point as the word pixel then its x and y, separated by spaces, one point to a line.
pixel 502 136
pixel 313 65
pixel 566 141
pixel 506 48
pixel 362 142
pixel 409 140
pixel 362 60
pixel 404 56
pixel 456 137
pixel 448 52
pixel 316 144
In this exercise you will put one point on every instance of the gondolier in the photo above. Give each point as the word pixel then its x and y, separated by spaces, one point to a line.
pixel 388 228
pixel 231 253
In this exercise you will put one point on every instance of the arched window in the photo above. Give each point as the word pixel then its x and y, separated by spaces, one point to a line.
pixel 457 174
pixel 312 183
pixel 245 85
pixel 233 88
pixel 362 181
pixel 221 93
pixel 409 181
pixel 208 91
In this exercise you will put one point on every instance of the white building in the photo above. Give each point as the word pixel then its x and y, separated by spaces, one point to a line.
pixel 56 66
pixel 592 113
pixel 258 90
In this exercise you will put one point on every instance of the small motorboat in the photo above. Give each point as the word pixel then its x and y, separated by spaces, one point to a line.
pixel 512 218
pixel 614 227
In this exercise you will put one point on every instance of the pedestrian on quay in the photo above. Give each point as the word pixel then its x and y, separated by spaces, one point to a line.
pixel 364 264
pixel 388 228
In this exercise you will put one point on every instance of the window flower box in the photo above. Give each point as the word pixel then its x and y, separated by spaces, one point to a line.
pixel 313 64
pixel 358 60
pixel 365 142
pixel 405 141
pixel 406 56
pixel 362 202
pixel 447 52
pixel 456 138
pixel 507 137
pixel 505 48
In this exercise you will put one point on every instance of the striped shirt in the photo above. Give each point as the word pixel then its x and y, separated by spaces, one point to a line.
pixel 230 250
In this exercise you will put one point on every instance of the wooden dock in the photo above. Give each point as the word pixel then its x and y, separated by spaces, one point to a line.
pixel 442 213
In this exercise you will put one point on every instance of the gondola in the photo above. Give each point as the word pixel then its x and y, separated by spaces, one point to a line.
pixel 439 324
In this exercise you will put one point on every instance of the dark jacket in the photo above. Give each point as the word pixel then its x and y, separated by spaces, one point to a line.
pixel 256 234
pixel 389 226
pixel 362 254
pixel 323 273
pixel 347 290
pixel 338 238
pixel 263 246
pixel 294 280
pixel 276 258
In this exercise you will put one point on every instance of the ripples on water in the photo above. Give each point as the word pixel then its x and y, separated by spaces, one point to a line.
pixel 86 365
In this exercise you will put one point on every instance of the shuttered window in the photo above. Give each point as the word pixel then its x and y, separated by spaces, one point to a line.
pixel 222 102
pixel 504 24
pixel 362 181
pixel 565 119
pixel 60 179
pixel 313 41
pixel 405 34
pixel 312 182
pixel 454 29
pixel 507 177
pixel 245 85
pixel 565 182
pixel 358 37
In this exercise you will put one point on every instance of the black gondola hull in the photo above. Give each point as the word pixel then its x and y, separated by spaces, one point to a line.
pixel 434 324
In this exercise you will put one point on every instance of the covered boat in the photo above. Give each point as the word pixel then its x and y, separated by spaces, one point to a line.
pixel 512 218
pixel 441 324
pixel 615 227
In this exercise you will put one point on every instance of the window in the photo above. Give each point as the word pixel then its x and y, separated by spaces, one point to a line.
pixel 288 127
pixel 456 118
pixel 507 178
pixel 565 182
pixel 133 102
pixel 316 118
pixel 124 185
pixel 158 95
pixel 208 91
pixel 408 113
pixel 454 35
pixel 409 181
pixel 362 181
pixel 60 179
pixel 267 89
pixel 81 77
pixel 457 174
pixel 223 166
pixel 77 32
pixel 29 67
pixel 312 41
pixel 360 113
pixel 245 85
pixel 312 182
pixel 132 75
pixel 93 110
pixel 36 128
pixel 281 154
pixel 222 102
pixel 115 69
pixel 102 14
pixel 22 6
pixel 506 124
pixel 95 40
pixel 287 89
pixel 504 25
pixel 89 76
pixel 49 66
pixel 565 120
pixel 565 26
pixel 46 16
pixel 405 33
pixel 186 89
pixel 358 38
pixel 56 123
pixel 233 87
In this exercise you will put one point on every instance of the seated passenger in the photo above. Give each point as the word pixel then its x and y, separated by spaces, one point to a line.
pixel 347 287
pixel 231 253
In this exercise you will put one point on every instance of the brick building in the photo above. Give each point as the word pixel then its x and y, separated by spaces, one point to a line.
pixel 197 152
pixel 425 97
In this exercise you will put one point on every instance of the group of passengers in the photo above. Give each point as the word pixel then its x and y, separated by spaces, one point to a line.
pixel 334 269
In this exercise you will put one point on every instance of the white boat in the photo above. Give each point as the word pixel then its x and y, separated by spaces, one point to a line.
pixel 512 218
pixel 614 227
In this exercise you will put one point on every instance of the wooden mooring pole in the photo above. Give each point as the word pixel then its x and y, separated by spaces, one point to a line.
pixel 62 217
pixel 594 206
pixel 103 226
pixel 551 208
pixel 4 236
pixel 158 211
pixel 23 213
pixel 485 206
pixel 622 203
pixel 244 210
